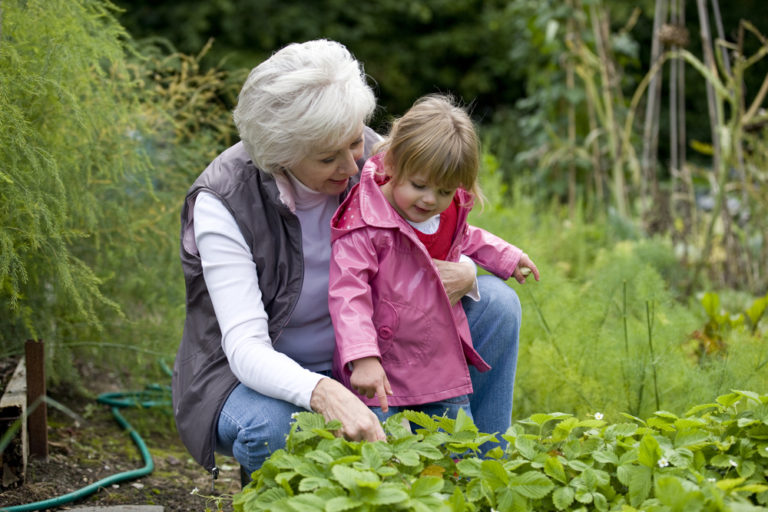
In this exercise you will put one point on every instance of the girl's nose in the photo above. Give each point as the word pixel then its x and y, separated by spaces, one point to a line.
pixel 428 197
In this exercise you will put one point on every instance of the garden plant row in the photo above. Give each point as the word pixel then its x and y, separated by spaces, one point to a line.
pixel 714 457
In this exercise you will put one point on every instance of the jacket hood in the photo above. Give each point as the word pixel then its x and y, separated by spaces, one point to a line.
pixel 366 205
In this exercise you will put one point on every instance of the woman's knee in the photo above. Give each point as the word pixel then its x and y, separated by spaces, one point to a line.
pixel 498 299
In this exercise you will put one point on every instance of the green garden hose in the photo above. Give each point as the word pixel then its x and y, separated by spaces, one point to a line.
pixel 152 396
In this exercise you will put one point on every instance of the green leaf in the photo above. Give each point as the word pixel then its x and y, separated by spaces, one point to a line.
pixel 583 496
pixel 563 497
pixel 554 468
pixel 711 303
pixel 311 483
pixel 751 395
pixel 621 430
pixel 309 420
pixel 342 503
pixel 388 494
pixel 532 485
pixel 427 485
pixel 526 447
pixel 693 439
pixel 428 451
pixel 639 483
pixel 648 451
pixel 306 502
pixel 729 399
pixel 494 473
pixel 728 484
pixel 605 457
pixel 756 310
pixel 464 423
pixel 320 456
pixel 457 501
pixel 408 458
pixel 421 419
pixel 697 409
pixel 351 478
pixel 469 467
pixel 601 503
pixel 371 456
pixel 387 471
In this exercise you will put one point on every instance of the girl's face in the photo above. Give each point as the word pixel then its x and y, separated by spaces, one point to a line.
pixel 328 170
pixel 417 200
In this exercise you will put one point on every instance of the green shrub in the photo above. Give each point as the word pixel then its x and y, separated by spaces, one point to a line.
pixel 714 457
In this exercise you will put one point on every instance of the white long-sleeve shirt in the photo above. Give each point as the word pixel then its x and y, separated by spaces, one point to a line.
pixel 280 371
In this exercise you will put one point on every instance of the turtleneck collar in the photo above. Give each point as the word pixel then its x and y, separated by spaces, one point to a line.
pixel 304 197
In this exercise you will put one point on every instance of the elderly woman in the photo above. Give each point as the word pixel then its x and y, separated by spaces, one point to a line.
pixel 255 248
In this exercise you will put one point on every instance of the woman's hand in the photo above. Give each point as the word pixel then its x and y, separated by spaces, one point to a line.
pixel 368 378
pixel 335 402
pixel 458 278
pixel 525 267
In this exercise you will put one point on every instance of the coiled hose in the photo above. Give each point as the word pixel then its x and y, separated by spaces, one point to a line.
pixel 152 396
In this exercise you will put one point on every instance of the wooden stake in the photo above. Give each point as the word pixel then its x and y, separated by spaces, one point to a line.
pixel 37 423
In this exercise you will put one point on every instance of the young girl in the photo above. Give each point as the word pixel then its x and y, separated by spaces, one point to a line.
pixel 399 340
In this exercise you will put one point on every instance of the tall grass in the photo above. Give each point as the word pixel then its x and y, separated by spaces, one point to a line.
pixel 608 328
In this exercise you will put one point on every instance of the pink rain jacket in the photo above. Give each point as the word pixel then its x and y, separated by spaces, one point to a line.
pixel 386 298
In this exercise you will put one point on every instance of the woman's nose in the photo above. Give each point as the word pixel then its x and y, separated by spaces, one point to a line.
pixel 348 165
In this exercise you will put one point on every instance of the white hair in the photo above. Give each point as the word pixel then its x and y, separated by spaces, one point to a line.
pixel 307 97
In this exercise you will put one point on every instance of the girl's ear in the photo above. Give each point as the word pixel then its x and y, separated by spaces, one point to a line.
pixel 386 165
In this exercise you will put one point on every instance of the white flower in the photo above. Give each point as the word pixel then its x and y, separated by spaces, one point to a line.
pixel 195 491
pixel 294 415
pixel 598 416
pixel 733 463
pixel 663 462
pixel 711 480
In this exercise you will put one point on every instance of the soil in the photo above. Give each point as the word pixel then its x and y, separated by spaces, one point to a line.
pixel 93 446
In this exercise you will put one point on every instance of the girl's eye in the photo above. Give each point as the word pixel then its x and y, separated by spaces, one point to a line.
pixel 356 143
pixel 417 186
pixel 446 192
pixel 328 160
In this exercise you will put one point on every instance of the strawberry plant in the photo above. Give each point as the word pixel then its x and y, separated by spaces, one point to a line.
pixel 714 457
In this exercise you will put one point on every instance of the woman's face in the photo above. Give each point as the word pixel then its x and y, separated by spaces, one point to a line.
pixel 328 170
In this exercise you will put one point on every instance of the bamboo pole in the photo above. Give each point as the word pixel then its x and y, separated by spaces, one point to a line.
pixel 649 187
pixel 619 187
pixel 569 83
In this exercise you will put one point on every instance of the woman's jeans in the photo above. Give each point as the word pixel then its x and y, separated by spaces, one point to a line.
pixel 252 426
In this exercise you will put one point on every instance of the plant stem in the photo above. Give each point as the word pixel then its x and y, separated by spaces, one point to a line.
pixel 625 363
pixel 649 315
pixel 546 326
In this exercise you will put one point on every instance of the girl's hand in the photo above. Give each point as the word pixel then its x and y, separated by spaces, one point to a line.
pixel 525 267
pixel 458 278
pixel 369 379
pixel 335 402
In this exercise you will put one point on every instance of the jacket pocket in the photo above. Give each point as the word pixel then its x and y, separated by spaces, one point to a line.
pixel 404 333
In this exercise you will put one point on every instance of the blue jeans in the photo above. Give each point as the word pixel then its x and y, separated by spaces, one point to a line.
pixel 252 426
pixel 448 407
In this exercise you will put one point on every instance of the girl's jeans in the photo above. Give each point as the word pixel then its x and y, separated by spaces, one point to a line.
pixel 252 426
pixel 448 407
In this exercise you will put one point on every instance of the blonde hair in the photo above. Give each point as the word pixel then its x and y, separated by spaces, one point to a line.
pixel 306 97
pixel 436 135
